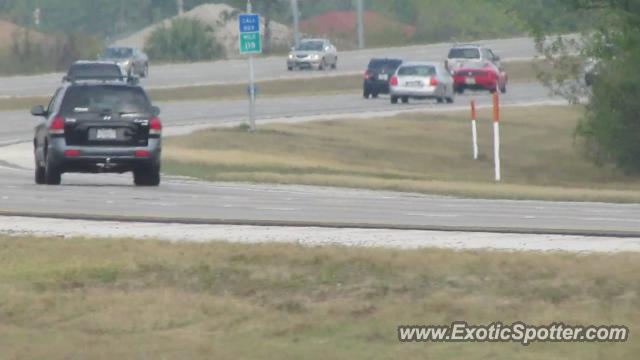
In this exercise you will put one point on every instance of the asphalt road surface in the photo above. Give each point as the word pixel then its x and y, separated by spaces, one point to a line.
pixel 267 68
pixel 18 125
pixel 185 200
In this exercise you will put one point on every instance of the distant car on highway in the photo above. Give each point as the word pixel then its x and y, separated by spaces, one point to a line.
pixel 421 80
pixel 134 61
pixel 313 54
pixel 98 127
pixel 377 76
pixel 480 76
pixel 85 69
pixel 460 55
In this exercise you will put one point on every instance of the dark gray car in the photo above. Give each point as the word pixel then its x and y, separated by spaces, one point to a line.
pixel 98 127
pixel 132 60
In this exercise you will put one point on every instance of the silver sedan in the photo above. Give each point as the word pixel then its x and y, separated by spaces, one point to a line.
pixel 421 80
pixel 134 61
pixel 313 54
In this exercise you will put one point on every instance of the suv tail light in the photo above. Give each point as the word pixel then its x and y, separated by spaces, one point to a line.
pixel 155 126
pixel 57 126
pixel 367 75
pixel 72 153
pixel 393 81
pixel 434 81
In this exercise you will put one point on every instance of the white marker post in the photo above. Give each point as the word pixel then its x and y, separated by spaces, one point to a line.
pixel 496 135
pixel 474 129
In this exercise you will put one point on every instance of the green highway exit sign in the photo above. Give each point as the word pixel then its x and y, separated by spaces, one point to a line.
pixel 250 39
pixel 250 43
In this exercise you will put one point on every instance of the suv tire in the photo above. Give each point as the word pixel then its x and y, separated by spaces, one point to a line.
pixel 146 176
pixel 52 175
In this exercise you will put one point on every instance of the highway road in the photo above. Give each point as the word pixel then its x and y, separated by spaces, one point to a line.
pixel 267 68
pixel 18 125
pixel 183 200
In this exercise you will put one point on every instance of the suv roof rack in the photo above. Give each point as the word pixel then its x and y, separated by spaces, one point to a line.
pixel 131 80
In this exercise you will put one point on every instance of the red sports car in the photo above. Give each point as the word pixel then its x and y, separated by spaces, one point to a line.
pixel 480 76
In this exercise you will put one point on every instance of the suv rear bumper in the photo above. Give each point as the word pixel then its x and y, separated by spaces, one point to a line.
pixel 97 159
pixel 378 86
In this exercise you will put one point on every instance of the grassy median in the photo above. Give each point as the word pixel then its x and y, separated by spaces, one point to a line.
pixel 106 299
pixel 428 153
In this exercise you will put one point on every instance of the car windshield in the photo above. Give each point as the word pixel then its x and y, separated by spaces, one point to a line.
pixel 117 53
pixel 464 53
pixel 94 71
pixel 378 64
pixel 310 46
pixel 417 70
pixel 104 98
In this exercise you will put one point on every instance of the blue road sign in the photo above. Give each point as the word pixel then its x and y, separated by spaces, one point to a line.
pixel 249 23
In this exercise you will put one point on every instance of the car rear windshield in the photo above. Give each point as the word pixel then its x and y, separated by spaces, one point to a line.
pixel 105 98
pixel 94 71
pixel 117 53
pixel 376 64
pixel 462 53
pixel 310 46
pixel 417 70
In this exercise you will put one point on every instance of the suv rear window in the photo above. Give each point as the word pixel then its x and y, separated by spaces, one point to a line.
pixel 464 53
pixel 417 70
pixel 104 98
pixel 94 71
pixel 376 64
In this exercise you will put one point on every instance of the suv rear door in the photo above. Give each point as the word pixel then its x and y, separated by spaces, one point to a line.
pixel 383 69
pixel 106 115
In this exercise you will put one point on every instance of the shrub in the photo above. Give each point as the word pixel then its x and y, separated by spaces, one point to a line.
pixel 32 52
pixel 183 40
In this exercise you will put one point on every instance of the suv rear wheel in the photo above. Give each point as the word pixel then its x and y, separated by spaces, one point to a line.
pixel 52 175
pixel 39 175
pixel 147 176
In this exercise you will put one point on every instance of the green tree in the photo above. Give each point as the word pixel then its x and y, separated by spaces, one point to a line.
pixel 183 40
pixel 610 128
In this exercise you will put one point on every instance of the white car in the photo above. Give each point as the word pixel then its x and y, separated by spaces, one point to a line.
pixel 421 80
pixel 462 55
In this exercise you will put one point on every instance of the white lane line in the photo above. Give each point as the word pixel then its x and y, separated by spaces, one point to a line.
pixel 275 209
pixel 432 215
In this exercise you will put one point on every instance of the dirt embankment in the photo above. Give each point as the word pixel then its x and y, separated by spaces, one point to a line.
pixel 223 19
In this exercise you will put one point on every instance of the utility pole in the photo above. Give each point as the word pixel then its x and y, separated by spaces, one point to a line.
pixel 252 86
pixel 296 22
pixel 180 4
pixel 360 24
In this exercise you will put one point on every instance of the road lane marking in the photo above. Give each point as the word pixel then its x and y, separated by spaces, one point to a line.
pixel 432 215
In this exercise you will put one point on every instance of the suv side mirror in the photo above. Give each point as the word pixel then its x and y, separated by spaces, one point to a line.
pixel 38 111
pixel 496 58
pixel 155 111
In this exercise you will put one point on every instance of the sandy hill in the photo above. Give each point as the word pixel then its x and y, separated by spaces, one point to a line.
pixel 223 19
pixel 10 31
